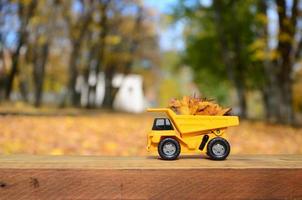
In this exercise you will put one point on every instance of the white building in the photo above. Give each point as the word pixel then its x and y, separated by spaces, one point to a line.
pixel 130 96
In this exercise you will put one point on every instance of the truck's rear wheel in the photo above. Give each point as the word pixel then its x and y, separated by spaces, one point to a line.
pixel 218 148
pixel 169 149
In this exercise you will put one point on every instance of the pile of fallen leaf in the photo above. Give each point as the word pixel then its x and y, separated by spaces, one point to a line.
pixel 197 106
pixel 93 134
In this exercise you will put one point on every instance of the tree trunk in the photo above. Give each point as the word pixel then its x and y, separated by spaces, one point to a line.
pixel 92 80
pixel 2 74
pixel 23 85
pixel 272 89
pixel 98 52
pixel 2 56
pixel 287 26
pixel 91 76
pixel 13 71
pixel 266 103
pixel 73 96
pixel 110 91
pixel 24 18
pixel 240 90
pixel 233 64
pixel 39 73
pixel 73 74
pixel 286 104
pixel 239 80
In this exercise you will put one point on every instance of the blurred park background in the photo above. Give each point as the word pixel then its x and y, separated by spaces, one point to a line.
pixel 77 75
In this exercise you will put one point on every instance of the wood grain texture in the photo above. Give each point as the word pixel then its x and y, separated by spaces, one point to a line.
pixel 92 177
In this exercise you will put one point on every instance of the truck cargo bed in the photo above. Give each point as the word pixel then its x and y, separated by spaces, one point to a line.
pixel 197 123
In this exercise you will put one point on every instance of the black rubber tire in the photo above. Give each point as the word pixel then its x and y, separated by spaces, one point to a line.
pixel 165 156
pixel 221 141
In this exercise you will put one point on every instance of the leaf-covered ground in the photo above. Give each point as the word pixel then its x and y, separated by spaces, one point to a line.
pixel 124 135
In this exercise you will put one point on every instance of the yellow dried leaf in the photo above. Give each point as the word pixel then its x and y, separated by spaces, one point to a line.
pixel 57 151
pixel 110 146
pixel 224 111
pixel 184 110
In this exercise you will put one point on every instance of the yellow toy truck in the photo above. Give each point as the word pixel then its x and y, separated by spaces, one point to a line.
pixel 190 134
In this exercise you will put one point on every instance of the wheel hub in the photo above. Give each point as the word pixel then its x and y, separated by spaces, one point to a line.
pixel 218 149
pixel 169 148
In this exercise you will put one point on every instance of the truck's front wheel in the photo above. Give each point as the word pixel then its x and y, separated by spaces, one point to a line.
pixel 218 149
pixel 169 149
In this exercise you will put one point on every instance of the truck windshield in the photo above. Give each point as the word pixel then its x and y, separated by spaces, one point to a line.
pixel 162 124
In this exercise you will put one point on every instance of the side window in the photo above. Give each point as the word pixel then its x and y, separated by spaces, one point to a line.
pixel 159 124
pixel 162 124
pixel 168 125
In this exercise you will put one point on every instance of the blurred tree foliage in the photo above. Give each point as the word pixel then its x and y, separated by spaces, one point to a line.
pixel 65 47
pixel 231 44
pixel 170 85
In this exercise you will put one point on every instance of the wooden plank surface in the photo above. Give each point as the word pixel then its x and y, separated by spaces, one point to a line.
pixel 93 177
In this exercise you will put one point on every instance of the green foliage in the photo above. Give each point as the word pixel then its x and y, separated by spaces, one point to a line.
pixel 169 88
pixel 170 61
pixel 219 44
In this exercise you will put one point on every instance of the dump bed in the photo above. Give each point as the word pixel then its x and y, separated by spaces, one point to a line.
pixel 197 123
